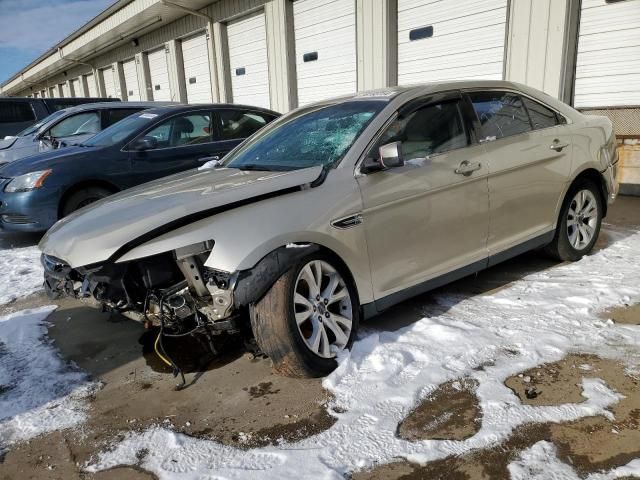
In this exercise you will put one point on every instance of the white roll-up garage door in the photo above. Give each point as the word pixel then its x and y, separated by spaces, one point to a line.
pixel 247 40
pixel 53 93
pixel 91 85
pixel 445 40
pixel 64 90
pixel 159 73
pixel 109 83
pixel 197 75
pixel 76 90
pixel 325 39
pixel 608 64
pixel 130 71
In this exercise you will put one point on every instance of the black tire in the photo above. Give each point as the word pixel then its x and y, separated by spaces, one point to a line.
pixel 82 198
pixel 276 331
pixel 560 247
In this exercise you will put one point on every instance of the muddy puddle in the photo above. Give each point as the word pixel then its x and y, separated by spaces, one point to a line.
pixel 588 445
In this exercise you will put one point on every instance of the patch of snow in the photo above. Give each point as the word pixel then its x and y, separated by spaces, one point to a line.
pixel 541 462
pixel 21 273
pixel 39 393
pixel 209 165
pixel 298 245
pixel 537 319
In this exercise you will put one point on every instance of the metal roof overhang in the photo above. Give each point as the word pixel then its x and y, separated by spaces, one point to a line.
pixel 118 24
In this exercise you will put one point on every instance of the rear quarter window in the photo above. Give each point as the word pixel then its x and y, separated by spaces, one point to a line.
pixel 12 112
pixel 541 116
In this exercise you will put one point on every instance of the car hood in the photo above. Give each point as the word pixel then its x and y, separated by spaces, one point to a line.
pixel 7 142
pixel 17 147
pixel 97 232
pixel 40 161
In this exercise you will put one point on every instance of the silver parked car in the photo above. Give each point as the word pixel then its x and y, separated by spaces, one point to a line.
pixel 68 126
pixel 338 210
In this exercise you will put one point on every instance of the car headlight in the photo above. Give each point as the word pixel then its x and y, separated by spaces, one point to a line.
pixel 28 181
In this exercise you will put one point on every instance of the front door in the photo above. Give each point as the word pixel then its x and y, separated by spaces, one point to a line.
pixel 529 161
pixel 430 216
pixel 183 142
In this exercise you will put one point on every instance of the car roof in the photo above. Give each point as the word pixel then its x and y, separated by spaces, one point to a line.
pixel 162 110
pixel 113 105
pixel 388 93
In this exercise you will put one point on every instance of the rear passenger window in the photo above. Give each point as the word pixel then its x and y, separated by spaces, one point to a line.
pixel 541 116
pixel 501 114
pixel 11 112
pixel 190 129
pixel 238 124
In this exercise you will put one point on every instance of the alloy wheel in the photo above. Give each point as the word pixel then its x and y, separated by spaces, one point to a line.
pixel 323 308
pixel 582 219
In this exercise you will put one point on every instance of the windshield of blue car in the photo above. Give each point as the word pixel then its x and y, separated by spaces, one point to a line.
pixel 38 125
pixel 314 136
pixel 120 131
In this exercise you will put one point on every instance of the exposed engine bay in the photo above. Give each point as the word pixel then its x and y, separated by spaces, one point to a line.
pixel 174 291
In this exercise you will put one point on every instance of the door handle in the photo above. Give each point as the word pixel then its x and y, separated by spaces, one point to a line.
pixel 209 159
pixel 467 168
pixel 557 146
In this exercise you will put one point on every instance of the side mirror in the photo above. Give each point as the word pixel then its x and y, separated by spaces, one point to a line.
pixel 145 143
pixel 389 156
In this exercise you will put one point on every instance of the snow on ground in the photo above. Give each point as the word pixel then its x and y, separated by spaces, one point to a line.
pixel 540 462
pixel 39 393
pixel 20 273
pixel 537 319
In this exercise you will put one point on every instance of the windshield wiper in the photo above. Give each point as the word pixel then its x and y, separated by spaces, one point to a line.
pixel 254 167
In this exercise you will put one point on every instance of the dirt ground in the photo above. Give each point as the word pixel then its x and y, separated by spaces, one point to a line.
pixel 237 400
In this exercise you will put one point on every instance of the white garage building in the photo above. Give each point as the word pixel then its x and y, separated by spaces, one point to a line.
pixel 286 53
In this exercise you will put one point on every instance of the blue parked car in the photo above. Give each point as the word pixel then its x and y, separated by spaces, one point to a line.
pixel 37 191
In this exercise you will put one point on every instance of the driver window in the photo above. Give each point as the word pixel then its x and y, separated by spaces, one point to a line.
pixel 83 123
pixel 430 130
pixel 183 130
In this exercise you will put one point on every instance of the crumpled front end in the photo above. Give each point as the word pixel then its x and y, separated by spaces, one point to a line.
pixel 173 288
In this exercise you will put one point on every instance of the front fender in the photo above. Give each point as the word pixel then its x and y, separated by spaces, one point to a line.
pixel 243 236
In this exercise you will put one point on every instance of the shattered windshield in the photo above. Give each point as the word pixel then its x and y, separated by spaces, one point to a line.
pixel 314 136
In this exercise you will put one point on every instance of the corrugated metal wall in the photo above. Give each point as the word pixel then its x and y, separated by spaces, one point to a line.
pixel 539 49
pixel 608 64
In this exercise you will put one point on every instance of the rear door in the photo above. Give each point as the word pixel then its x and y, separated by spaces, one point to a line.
pixel 429 217
pixel 529 157
pixel 184 141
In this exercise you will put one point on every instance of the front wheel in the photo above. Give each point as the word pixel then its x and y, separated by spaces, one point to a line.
pixel 307 317
pixel 579 223
pixel 82 198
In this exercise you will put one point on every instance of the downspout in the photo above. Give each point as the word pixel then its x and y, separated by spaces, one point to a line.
pixel 94 71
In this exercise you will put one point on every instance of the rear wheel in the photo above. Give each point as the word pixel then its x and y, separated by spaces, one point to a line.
pixel 579 224
pixel 307 317
pixel 82 198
